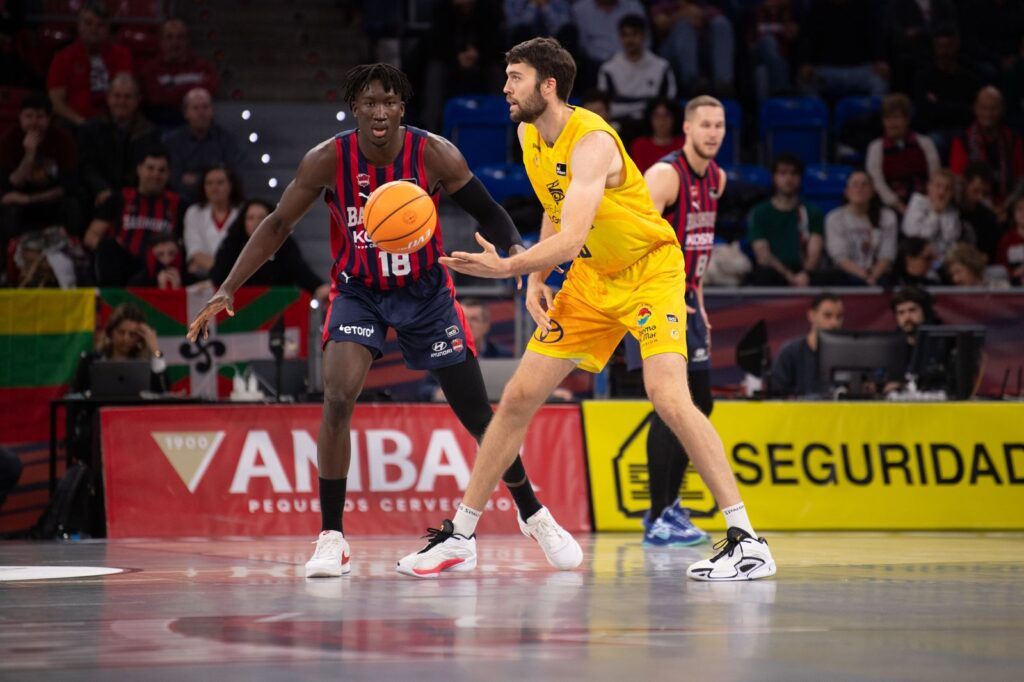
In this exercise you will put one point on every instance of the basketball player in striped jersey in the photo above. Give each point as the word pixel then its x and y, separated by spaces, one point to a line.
pixel 372 291
pixel 685 187
pixel 627 276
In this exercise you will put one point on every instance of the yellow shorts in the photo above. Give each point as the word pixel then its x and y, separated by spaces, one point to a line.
pixel 593 312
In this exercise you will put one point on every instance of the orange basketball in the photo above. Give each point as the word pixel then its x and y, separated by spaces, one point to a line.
pixel 400 217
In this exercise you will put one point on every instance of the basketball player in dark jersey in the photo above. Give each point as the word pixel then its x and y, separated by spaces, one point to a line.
pixel 372 290
pixel 685 187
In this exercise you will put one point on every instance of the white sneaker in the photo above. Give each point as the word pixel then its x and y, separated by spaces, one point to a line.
pixel 560 547
pixel 446 551
pixel 742 557
pixel 331 556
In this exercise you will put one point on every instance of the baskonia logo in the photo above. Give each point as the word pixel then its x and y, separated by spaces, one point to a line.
pixel 643 315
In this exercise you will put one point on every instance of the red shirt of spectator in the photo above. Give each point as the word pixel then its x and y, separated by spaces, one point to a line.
pixel 166 79
pixel 80 74
pixel 645 151
pixel 989 140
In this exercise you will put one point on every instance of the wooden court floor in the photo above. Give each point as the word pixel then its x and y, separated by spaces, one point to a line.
pixel 844 606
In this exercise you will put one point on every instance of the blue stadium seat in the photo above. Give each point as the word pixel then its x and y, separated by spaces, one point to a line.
pixel 794 124
pixel 854 107
pixel 824 185
pixel 504 180
pixel 747 174
pixel 480 127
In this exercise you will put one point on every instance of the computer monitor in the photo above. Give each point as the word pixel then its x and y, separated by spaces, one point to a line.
pixel 293 376
pixel 948 359
pixel 849 360
pixel 121 379
pixel 497 372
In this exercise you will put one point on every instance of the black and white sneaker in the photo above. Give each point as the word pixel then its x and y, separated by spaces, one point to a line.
pixel 445 551
pixel 741 557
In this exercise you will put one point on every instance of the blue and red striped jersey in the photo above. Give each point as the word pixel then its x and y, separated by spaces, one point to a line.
pixel 693 214
pixel 141 218
pixel 355 255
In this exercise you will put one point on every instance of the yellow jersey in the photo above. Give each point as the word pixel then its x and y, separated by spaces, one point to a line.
pixel 626 227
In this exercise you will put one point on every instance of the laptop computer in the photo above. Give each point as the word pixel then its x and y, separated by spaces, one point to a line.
pixel 119 378
pixel 497 372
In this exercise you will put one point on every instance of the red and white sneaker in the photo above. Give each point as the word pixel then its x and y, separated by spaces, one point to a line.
pixel 331 558
pixel 445 551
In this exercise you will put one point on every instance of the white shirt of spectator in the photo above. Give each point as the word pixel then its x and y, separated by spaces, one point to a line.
pixel 941 229
pixel 631 84
pixel 201 232
pixel 851 237
pixel 599 28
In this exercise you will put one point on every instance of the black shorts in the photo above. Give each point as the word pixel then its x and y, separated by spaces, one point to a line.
pixel 431 327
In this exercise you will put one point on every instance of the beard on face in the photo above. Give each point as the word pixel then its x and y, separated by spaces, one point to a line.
pixel 532 109
pixel 698 149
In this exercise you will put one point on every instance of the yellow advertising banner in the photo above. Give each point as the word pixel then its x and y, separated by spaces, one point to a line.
pixel 829 466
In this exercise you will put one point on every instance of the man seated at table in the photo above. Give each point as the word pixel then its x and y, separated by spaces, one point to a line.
pixel 795 370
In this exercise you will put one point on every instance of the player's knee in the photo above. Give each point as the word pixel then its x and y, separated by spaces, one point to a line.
pixel 339 403
pixel 518 400
pixel 668 398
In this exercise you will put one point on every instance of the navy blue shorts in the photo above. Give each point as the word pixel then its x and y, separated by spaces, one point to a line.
pixel 431 328
pixel 699 355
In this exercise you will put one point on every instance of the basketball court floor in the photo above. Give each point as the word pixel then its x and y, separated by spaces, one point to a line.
pixel 850 606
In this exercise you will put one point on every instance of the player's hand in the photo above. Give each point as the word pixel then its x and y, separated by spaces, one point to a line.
pixel 485 264
pixel 540 299
pixel 201 325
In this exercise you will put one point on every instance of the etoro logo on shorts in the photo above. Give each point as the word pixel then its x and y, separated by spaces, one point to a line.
pixel 643 315
pixel 355 330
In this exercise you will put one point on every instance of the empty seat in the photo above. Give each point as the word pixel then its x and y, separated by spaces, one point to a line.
pixel 504 180
pixel 480 127
pixel 824 185
pixel 747 174
pixel 798 125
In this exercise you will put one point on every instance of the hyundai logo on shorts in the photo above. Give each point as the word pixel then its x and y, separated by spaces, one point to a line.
pixel 440 346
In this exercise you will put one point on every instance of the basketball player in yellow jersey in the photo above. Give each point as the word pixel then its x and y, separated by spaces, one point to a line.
pixel 627 276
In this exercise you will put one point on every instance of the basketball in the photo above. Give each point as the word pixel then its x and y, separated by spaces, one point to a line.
pixel 400 217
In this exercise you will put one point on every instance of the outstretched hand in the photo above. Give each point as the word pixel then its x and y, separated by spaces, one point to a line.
pixel 484 264
pixel 201 325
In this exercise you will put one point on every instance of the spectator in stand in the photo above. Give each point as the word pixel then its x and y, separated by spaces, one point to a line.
pixel 168 77
pixel 909 25
pixel 664 119
pixel 965 266
pixel 37 164
pixel 934 217
pixel 130 221
pixel 163 265
pixel 976 214
pixel 914 262
pixel 1011 246
pixel 81 73
pixel 795 369
pixel 860 236
pixel 126 336
pixel 112 145
pixel 690 27
pixel 945 89
pixel 600 103
pixel 598 24
pixel 634 75
pixel 465 53
pixel 199 144
pixel 220 198
pixel 992 33
pixel 772 42
pixel 531 18
pixel 988 139
pixel 901 161
pixel 286 268
pixel 841 50
pixel 785 234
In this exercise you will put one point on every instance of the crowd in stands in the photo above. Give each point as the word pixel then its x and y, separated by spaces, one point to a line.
pixel 110 150
pixel 114 171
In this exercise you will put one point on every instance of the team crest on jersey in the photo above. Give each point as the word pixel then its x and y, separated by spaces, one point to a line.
pixel 457 345
pixel 556 192
pixel 363 179
pixel 694 193
pixel 560 169
pixel 713 193
pixel 643 315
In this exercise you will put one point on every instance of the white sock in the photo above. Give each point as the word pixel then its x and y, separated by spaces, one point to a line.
pixel 736 515
pixel 465 520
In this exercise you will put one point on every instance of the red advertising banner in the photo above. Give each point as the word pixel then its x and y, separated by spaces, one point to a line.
pixel 251 470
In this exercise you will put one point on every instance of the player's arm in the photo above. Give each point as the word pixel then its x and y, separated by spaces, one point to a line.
pixel 663 184
pixel 591 161
pixel 316 171
pixel 447 166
